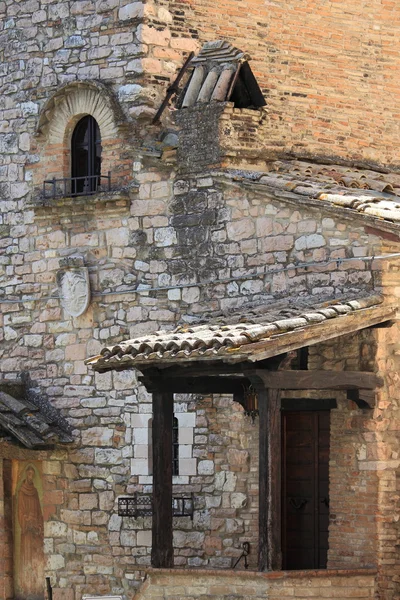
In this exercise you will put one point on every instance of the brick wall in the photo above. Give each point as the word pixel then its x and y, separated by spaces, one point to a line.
pixel 327 70
pixel 226 585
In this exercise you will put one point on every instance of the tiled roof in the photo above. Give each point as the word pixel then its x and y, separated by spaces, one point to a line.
pixel 362 190
pixel 215 72
pixel 28 424
pixel 221 337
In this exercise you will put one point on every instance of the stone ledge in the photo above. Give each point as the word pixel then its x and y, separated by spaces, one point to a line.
pixel 264 575
pixel 117 199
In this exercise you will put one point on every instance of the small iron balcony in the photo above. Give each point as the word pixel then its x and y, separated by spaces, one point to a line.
pixel 76 186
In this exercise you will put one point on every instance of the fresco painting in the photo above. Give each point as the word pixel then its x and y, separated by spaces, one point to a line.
pixel 28 530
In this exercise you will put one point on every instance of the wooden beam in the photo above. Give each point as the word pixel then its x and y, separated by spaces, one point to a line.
pixel 269 541
pixel 196 385
pixel 162 553
pixel 314 334
pixel 319 380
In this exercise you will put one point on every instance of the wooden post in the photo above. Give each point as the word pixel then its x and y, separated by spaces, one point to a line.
pixel 162 553
pixel 269 543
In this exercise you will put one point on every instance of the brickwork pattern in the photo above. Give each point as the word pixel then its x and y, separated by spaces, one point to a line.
pixel 326 70
pixel 182 585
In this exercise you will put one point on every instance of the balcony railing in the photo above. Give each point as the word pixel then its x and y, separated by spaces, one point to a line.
pixel 76 186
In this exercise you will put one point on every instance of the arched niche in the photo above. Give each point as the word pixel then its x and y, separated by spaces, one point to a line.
pixel 74 100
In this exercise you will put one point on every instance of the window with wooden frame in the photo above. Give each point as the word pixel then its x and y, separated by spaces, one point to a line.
pixel 86 156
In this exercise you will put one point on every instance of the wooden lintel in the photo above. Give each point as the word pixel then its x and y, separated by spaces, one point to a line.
pixel 319 380
pixel 315 334
pixel 195 385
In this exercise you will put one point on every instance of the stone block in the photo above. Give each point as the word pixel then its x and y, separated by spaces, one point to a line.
pixel 206 467
pixel 97 436
pixel 185 434
pixel 186 420
pixel 88 501
pixel 144 538
pixel 187 466
pixel 139 466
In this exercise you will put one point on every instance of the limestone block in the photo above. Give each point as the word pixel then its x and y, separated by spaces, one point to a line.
pixel 141 450
pixel 139 466
pixel 144 538
pixel 174 294
pixel 310 241
pixel 107 456
pixel 88 501
pixel 55 562
pixel 191 295
pixel 106 500
pixel 206 467
pixel 213 501
pixel 185 451
pixel 99 402
pixel 29 109
pixel 141 435
pixel 115 523
pixel 187 466
pixel 165 236
pixel 238 500
pixel 97 436
pixel 128 538
pixel 186 420
pixel 133 10
pixel 230 482
pixel 74 41
pixel 140 420
pixel 241 229
pixel 55 529
pixel 185 434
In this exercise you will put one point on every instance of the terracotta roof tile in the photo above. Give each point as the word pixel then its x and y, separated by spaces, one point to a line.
pixel 218 339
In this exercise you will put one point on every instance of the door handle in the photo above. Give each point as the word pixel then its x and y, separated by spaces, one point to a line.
pixel 297 503
pixel 325 501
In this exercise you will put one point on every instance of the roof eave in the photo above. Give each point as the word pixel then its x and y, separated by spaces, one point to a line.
pixel 272 346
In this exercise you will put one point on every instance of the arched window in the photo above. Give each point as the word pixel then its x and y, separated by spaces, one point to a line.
pixel 86 156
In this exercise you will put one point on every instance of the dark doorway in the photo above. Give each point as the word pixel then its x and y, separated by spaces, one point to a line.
pixel 86 156
pixel 305 493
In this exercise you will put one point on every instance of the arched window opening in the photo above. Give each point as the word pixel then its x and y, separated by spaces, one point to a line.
pixel 86 157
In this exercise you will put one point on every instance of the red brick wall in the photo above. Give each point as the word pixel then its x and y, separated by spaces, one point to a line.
pixel 329 70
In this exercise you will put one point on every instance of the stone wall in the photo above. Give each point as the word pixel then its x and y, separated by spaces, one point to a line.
pixel 190 237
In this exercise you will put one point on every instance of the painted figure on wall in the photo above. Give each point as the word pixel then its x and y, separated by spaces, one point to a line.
pixel 29 560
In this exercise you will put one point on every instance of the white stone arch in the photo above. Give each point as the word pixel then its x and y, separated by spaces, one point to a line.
pixel 74 101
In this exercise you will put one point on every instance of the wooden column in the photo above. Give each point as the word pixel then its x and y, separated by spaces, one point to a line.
pixel 162 553
pixel 269 544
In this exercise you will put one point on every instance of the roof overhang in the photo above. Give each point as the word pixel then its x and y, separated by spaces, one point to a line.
pixel 245 342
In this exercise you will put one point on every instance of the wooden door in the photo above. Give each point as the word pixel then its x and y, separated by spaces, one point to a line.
pixel 305 494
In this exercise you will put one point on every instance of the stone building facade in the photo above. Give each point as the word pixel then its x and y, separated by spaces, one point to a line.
pixel 211 213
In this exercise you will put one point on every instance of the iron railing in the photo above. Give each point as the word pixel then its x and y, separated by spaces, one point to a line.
pixel 141 505
pixel 76 186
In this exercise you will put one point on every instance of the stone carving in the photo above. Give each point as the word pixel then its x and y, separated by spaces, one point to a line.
pixel 73 285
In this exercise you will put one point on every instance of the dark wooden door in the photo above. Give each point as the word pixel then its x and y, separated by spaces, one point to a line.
pixel 305 497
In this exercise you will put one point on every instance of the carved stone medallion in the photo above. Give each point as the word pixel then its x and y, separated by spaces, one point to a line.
pixel 73 285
